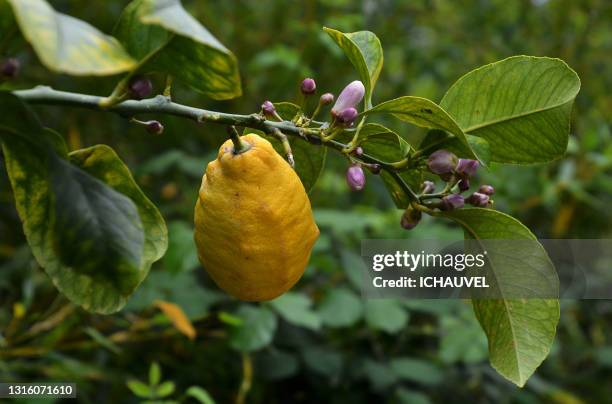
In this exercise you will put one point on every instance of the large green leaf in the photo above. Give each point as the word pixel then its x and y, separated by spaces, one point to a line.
pixel 309 158
pixel 66 44
pixel 520 105
pixel 520 331
pixel 87 222
pixel 365 53
pixel 424 113
pixel 163 36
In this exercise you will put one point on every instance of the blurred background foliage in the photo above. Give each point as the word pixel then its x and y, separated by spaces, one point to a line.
pixel 321 342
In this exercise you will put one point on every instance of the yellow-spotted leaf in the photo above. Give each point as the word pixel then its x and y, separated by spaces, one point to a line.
pixel 88 224
pixel 165 37
pixel 66 44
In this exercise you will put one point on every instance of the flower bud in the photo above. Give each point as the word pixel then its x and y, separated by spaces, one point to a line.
pixel 428 187
pixel 467 167
pixel 348 116
pixel 486 189
pixel 358 151
pixel 374 168
pixel 478 199
pixel 140 87
pixel 10 68
pixel 355 177
pixel 410 218
pixel 350 97
pixel 326 99
pixel 453 201
pixel 268 108
pixel 464 184
pixel 442 162
pixel 155 127
pixel 308 86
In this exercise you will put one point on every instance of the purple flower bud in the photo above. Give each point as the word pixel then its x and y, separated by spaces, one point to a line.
pixel 358 151
pixel 140 87
pixel 478 199
pixel 350 97
pixel 268 108
pixel 326 99
pixel 155 127
pixel 486 189
pixel 308 86
pixel 464 184
pixel 453 201
pixel 355 177
pixel 410 218
pixel 348 116
pixel 10 68
pixel 374 168
pixel 442 162
pixel 467 167
pixel 428 187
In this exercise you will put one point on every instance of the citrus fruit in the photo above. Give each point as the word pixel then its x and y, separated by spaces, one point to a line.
pixel 254 228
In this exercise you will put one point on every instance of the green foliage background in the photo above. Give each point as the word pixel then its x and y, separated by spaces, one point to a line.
pixel 320 342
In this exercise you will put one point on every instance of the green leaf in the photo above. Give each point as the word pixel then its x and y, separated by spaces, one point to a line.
pixel 165 389
pixel 520 105
pixel 139 388
pixel 200 394
pixel 364 51
pixel 379 142
pixel 380 375
pixel 412 178
pixel 154 374
pixel 520 331
pixel 295 308
pixel 182 255
pixel 417 370
pixel 257 329
pixel 274 364
pixel 424 113
pixel 340 308
pixel 386 315
pixel 88 224
pixel 323 361
pixel 436 139
pixel 309 158
pixel 406 396
pixel 165 37
pixel 68 45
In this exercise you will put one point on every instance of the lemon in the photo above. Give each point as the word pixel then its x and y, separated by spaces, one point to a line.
pixel 254 228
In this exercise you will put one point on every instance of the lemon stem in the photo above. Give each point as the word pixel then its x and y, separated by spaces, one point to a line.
pixel 240 146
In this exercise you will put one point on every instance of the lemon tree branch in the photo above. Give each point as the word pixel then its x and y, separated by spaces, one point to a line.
pixel 164 105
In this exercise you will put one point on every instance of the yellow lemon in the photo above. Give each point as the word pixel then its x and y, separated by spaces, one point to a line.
pixel 254 228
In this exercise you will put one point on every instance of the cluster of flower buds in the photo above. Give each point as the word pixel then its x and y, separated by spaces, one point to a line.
pixel 139 87
pixel 451 168
pixel 9 68
pixel 481 198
